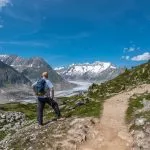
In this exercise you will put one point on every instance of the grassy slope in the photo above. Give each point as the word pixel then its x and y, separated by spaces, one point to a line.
pixel 130 78
pixel 70 109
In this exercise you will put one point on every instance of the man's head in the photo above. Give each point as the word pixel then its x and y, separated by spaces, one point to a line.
pixel 45 75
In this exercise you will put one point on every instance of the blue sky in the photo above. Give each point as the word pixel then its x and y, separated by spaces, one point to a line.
pixel 73 31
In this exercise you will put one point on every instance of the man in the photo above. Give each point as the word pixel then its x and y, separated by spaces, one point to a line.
pixel 47 97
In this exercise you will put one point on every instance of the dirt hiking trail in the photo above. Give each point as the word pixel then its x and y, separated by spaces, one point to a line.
pixel 112 131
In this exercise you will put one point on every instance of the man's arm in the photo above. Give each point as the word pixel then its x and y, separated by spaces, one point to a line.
pixel 33 85
pixel 51 87
pixel 52 93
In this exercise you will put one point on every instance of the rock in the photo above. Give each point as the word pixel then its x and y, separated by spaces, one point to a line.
pixel 146 104
pixel 139 135
pixel 147 129
pixel 3 116
pixel 62 107
pixel 140 121
pixel 8 126
pixel 17 125
pixel 12 121
pixel 79 103
pixel 141 140
pixel 71 108
pixel 63 135
pixel 2 121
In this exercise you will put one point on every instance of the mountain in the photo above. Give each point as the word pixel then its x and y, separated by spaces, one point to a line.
pixel 9 75
pixel 97 71
pixel 32 68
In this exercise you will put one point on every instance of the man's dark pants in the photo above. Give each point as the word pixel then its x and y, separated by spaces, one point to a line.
pixel 41 104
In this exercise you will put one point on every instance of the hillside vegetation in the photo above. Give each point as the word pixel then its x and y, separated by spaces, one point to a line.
pixel 129 79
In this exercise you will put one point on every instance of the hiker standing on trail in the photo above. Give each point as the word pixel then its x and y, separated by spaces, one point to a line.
pixel 44 91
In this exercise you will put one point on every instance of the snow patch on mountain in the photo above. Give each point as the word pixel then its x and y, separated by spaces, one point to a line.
pixel 20 63
pixel 93 68
pixel 96 67
pixel 3 57
pixel 86 71
pixel 59 68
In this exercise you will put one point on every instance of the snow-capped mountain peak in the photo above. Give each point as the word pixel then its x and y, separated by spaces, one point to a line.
pixel 81 69
pixel 87 71
pixel 59 68
pixel 20 63
pixel 4 56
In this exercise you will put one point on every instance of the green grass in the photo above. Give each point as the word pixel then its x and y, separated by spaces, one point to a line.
pixel 30 110
pixel 135 104
pixel 2 135
pixel 92 108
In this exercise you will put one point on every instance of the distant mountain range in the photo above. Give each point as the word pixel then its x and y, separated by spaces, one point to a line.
pixel 32 69
pixel 97 71
pixel 9 76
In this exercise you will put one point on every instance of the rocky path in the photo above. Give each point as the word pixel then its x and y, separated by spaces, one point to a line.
pixel 112 131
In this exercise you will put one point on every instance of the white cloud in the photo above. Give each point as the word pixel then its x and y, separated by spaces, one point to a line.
pixel 131 49
pixel 143 57
pixel 125 57
pixel 4 3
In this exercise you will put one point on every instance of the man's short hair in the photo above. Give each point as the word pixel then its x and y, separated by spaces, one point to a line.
pixel 45 74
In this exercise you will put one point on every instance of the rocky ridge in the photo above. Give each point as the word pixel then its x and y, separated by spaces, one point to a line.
pixel 31 67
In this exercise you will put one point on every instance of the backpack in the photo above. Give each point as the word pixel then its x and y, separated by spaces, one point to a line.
pixel 40 87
